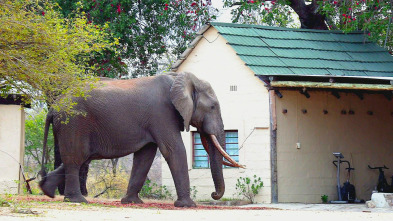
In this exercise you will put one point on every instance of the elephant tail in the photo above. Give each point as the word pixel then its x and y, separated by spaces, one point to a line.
pixel 49 120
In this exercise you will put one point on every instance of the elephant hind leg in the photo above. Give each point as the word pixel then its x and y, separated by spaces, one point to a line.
pixel 72 192
pixel 49 183
pixel 143 159
pixel 83 178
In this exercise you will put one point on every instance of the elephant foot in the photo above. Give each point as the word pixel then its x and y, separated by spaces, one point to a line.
pixel 75 199
pixel 51 181
pixel 185 203
pixel 48 188
pixel 129 199
pixel 84 192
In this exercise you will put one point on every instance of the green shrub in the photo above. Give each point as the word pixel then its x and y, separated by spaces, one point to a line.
pixel 324 198
pixel 248 187
pixel 101 182
pixel 151 190
pixel 5 201
pixel 193 192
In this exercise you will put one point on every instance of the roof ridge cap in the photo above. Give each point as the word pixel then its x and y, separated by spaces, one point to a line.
pixel 300 39
pixel 283 28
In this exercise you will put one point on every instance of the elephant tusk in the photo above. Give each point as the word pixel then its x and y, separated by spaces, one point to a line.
pixel 231 165
pixel 225 154
pixel 205 145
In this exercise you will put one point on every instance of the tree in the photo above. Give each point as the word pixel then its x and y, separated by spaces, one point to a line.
pixel 277 12
pixel 267 13
pixel 35 124
pixel 374 17
pixel 43 55
pixel 151 33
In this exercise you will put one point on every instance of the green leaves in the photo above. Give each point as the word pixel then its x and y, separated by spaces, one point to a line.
pixel 149 32
pixel 43 55
pixel 372 17
pixel 270 13
pixel 324 198
pixel 152 190
pixel 35 125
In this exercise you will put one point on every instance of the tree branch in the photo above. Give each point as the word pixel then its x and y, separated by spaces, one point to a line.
pixel 240 3
pixel 104 191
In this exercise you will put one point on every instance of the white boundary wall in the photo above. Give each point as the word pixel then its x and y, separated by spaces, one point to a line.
pixel 12 136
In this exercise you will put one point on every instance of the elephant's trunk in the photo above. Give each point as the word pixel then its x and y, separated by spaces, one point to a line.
pixel 216 161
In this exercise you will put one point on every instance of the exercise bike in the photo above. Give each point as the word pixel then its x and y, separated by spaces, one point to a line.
pixel 382 185
pixel 346 192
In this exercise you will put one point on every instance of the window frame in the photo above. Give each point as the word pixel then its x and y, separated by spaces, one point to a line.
pixel 193 152
pixel 208 159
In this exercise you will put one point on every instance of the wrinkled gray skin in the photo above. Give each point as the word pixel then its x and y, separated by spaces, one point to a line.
pixel 138 116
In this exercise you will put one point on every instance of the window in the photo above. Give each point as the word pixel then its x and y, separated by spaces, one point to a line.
pixel 200 157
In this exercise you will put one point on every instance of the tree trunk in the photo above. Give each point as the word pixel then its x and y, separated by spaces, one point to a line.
pixel 309 16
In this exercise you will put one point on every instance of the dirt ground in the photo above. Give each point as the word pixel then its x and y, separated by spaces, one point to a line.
pixel 43 208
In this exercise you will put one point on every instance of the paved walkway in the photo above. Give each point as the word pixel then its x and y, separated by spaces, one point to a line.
pixel 286 211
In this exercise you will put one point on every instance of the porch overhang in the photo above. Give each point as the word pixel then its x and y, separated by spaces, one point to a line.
pixel 328 85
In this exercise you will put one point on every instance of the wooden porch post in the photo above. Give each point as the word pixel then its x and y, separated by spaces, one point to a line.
pixel 273 146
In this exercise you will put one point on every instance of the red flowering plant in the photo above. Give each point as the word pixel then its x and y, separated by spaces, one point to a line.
pixel 372 17
pixel 149 32
pixel 184 18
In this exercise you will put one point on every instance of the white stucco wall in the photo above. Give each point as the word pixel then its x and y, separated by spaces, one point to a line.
pixel 245 110
pixel 12 123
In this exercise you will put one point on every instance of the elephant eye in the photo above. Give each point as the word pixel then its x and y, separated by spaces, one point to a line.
pixel 212 107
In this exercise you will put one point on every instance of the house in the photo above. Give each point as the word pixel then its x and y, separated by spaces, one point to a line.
pixel 12 143
pixel 289 99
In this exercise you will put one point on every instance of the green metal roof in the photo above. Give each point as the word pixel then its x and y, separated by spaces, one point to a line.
pixel 283 51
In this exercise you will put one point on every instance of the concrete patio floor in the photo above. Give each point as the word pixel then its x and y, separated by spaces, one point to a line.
pixel 361 207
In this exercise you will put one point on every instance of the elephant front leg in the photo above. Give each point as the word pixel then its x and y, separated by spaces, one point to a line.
pixel 177 162
pixel 142 162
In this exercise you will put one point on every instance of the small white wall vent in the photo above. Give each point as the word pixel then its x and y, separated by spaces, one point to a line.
pixel 233 88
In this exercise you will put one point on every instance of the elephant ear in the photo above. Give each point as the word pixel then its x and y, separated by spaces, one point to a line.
pixel 182 96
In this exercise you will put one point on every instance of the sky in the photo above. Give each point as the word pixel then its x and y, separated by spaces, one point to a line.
pixel 224 13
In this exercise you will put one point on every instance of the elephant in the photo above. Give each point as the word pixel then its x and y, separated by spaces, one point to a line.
pixel 139 116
